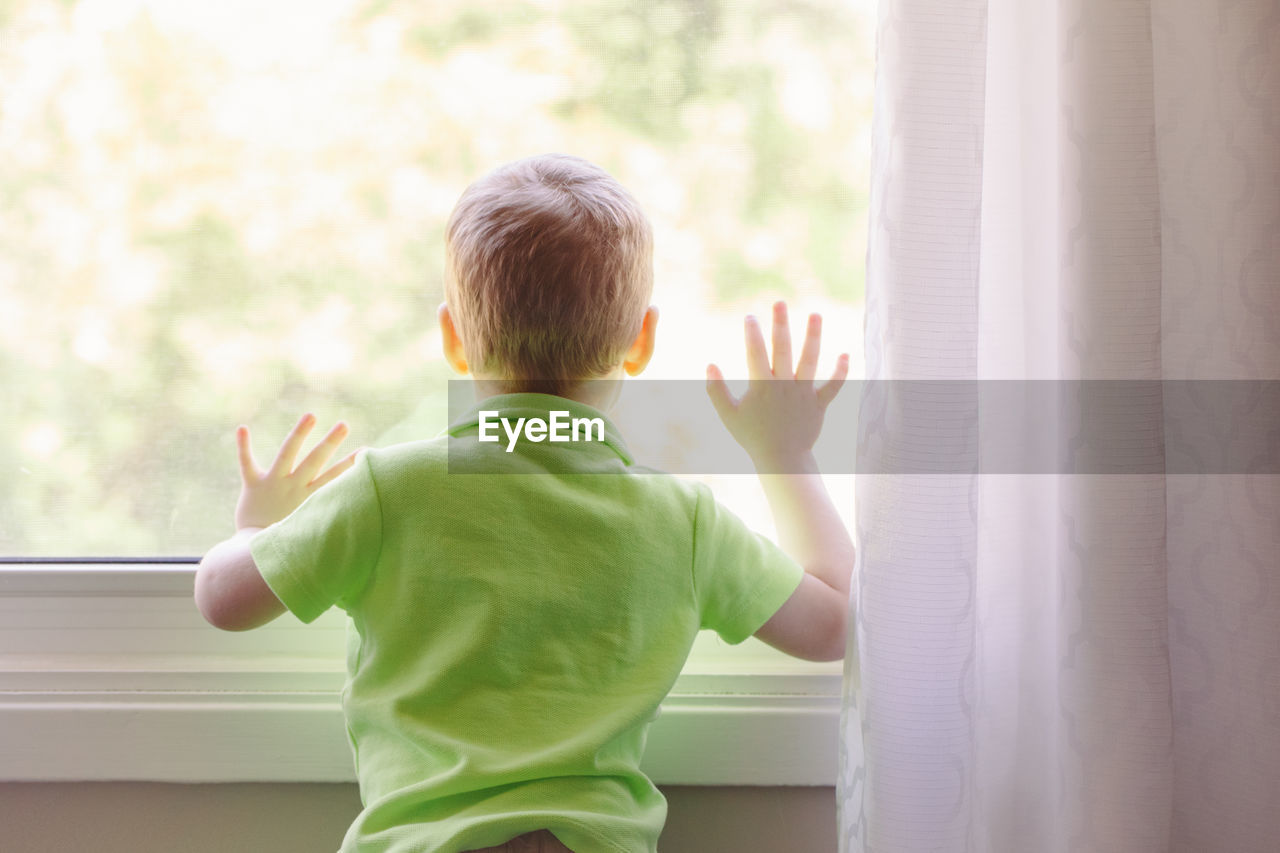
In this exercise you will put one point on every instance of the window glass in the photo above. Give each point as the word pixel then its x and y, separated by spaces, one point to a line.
pixel 232 212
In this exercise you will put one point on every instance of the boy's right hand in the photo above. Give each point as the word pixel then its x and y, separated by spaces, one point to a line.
pixel 779 418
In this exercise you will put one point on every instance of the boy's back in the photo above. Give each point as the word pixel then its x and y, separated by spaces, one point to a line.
pixel 515 632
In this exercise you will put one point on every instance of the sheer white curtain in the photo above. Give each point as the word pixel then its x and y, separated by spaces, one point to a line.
pixel 1068 189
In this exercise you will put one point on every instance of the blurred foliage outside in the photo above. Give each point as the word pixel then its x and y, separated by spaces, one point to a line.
pixel 225 213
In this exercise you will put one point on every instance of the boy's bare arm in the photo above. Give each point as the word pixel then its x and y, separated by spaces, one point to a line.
pixel 229 591
pixel 812 624
pixel 777 422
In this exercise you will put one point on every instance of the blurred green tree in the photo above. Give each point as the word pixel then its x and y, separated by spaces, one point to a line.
pixel 202 225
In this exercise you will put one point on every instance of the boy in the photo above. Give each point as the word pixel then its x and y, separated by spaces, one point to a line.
pixel 516 630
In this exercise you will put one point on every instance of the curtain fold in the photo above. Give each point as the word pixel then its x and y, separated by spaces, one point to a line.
pixel 1046 662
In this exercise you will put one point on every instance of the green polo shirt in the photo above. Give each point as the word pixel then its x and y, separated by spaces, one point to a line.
pixel 517 617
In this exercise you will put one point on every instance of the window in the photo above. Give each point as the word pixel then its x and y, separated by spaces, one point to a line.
pixel 233 212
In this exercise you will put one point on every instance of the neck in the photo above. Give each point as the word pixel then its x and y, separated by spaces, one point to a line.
pixel 598 393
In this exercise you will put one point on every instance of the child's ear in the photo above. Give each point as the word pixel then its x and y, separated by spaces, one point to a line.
pixel 642 347
pixel 451 341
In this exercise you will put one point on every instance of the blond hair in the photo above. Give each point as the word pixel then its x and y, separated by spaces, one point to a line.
pixel 548 271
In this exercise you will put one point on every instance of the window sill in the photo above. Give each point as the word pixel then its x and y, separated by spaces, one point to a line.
pixel 109 673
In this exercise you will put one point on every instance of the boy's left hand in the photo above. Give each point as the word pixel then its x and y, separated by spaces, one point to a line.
pixel 267 497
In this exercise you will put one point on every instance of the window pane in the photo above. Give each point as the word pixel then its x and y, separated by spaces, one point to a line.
pixel 232 212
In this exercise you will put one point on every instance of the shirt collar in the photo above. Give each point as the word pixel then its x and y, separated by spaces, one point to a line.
pixel 525 405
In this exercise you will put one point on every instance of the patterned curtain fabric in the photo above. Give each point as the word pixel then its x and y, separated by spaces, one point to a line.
pixel 1049 662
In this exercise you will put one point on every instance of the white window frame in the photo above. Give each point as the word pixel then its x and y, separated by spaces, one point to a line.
pixel 108 672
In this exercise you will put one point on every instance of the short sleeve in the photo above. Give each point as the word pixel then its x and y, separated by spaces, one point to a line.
pixel 325 551
pixel 740 577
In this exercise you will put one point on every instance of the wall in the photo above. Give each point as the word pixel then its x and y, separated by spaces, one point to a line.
pixel 142 817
